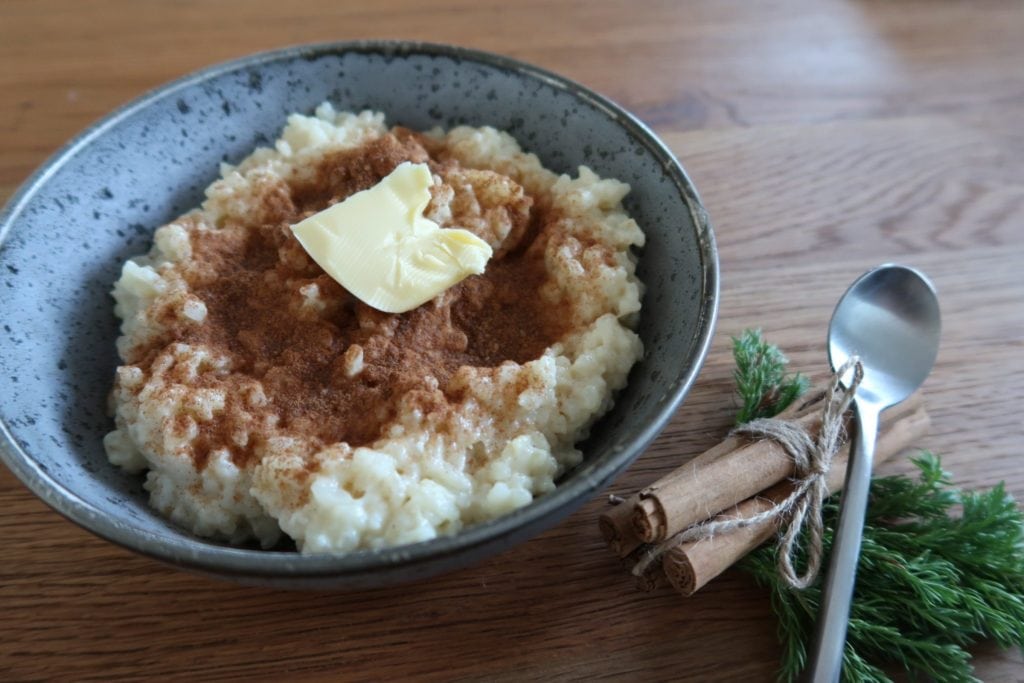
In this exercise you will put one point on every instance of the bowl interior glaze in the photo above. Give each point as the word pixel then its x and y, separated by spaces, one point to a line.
pixel 96 202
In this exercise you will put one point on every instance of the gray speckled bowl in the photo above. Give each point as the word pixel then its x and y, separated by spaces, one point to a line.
pixel 66 232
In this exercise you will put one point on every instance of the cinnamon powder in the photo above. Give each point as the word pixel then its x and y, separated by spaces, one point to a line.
pixel 249 277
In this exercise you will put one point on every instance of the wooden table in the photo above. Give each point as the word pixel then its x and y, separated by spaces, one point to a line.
pixel 825 136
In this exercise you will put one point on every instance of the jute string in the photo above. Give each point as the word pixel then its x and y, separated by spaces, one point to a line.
pixel 812 459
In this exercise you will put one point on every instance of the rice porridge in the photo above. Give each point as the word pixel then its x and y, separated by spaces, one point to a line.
pixel 261 397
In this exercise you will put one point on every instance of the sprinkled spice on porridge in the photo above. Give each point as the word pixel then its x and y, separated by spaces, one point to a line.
pixel 262 397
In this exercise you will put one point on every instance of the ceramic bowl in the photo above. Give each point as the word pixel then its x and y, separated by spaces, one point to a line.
pixel 65 233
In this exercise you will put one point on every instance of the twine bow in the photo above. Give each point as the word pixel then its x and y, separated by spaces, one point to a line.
pixel 812 459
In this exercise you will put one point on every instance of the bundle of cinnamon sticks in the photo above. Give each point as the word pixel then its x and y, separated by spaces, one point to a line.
pixel 738 478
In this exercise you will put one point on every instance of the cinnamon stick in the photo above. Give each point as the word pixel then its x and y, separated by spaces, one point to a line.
pixel 715 481
pixel 689 566
pixel 650 580
pixel 616 524
pixel 616 527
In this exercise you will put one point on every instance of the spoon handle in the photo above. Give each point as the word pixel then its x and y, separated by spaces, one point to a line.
pixel 827 663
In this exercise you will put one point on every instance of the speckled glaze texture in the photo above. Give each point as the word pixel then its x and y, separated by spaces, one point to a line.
pixel 66 232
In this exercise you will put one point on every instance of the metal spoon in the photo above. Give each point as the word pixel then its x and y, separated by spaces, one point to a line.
pixel 889 318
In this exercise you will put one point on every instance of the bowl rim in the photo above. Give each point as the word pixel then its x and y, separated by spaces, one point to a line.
pixel 242 562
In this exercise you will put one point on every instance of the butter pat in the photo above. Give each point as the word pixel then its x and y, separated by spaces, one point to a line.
pixel 378 245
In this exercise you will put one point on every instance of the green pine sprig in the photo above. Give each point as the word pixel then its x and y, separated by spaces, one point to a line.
pixel 929 582
pixel 762 385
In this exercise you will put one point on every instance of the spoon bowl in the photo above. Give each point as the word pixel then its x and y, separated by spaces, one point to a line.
pixel 889 318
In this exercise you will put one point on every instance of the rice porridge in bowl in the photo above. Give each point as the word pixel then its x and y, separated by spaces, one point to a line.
pixel 260 397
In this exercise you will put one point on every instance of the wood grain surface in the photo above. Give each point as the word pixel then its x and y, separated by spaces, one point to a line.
pixel 825 137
